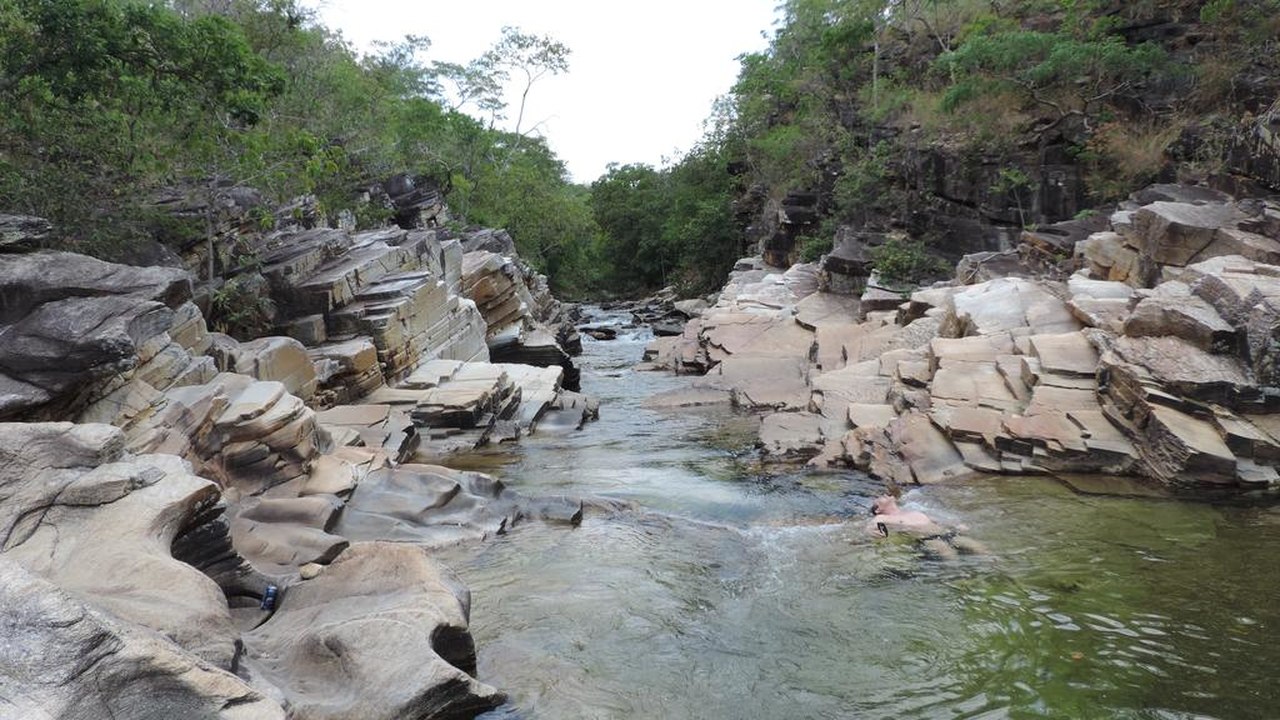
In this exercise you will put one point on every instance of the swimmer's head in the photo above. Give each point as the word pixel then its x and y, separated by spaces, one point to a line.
pixel 883 505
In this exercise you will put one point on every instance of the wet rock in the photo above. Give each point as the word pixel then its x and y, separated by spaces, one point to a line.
pixel 791 436
pixel 398 623
pixel 435 506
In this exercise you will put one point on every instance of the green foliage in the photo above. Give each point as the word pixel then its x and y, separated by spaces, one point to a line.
pixel 905 260
pixel 671 226
pixel 240 310
pixel 100 99
pixel 812 247
pixel 1053 70
pixel 103 102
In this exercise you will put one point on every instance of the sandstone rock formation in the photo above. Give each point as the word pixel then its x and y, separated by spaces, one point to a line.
pixel 1156 359
pixel 198 473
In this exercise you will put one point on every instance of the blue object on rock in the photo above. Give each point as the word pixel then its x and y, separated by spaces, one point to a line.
pixel 269 598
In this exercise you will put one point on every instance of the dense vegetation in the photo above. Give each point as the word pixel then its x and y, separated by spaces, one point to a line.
pixel 893 116
pixel 105 103
pixel 938 122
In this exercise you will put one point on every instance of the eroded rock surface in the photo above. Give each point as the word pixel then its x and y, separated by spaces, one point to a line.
pixel 379 634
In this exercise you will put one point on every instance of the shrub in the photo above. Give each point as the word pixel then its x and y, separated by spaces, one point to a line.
pixel 812 248
pixel 905 260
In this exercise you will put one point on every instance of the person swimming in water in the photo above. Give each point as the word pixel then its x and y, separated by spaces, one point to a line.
pixel 889 519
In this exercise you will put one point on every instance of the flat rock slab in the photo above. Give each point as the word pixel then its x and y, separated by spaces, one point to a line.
pixel 973 383
pixel 1066 354
pixel 765 382
pixel 791 436
pixel 689 397
pixel 1047 398
pixel 823 308
pixel 969 424
pixel 984 349
pixel 1010 304
pixel 870 415
pixel 927 451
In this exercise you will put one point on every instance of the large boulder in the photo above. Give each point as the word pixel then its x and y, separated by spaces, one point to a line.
pixel 72 323
pixel 99 524
pixel 381 634
pixel 61 658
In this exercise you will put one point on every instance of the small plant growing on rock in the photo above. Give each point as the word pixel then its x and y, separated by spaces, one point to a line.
pixel 241 310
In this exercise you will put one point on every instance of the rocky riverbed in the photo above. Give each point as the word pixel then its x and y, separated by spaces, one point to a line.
pixel 200 526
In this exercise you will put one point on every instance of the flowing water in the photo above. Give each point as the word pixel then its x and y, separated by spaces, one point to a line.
pixel 714 589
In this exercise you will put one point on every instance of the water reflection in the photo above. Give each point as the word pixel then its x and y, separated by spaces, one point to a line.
pixel 730 592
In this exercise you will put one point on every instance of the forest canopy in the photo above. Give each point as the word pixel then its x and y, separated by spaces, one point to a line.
pixel 876 108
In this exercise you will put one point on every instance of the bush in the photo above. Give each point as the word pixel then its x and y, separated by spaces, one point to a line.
pixel 905 260
pixel 812 248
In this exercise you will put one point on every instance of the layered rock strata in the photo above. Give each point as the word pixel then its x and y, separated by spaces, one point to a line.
pixel 1155 359
pixel 198 474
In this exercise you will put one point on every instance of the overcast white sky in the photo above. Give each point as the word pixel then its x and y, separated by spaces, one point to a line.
pixel 642 75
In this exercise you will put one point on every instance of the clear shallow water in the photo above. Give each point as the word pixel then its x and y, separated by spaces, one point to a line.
pixel 721 591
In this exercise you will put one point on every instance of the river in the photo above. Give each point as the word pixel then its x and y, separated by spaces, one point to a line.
pixel 710 587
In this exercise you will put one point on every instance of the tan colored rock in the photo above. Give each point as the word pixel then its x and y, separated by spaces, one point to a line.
pixel 346 371
pixel 821 308
pixel 791 436
pixel 1176 233
pixel 1180 368
pixel 765 382
pixel 927 451
pixel 282 534
pixel 405 648
pixel 1065 354
pixel 862 415
pixel 1181 449
pixel 280 359
pixel 1172 310
pixel 1107 256
pixel 1008 305
pixel 973 383
pixel 82 515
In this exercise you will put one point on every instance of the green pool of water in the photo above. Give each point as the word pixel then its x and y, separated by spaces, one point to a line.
pixel 725 591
